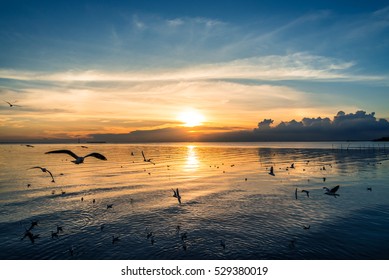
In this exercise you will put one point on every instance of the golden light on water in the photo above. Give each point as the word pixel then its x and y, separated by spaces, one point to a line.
pixel 192 161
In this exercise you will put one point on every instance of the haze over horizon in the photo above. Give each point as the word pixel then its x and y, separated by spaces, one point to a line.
pixel 149 71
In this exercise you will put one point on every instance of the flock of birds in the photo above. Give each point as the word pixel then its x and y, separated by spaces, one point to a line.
pixel 150 235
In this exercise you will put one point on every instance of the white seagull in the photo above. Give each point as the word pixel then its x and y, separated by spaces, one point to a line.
pixel 78 159
pixel 332 191
pixel 44 170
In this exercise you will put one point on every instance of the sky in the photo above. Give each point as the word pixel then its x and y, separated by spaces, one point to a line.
pixel 193 70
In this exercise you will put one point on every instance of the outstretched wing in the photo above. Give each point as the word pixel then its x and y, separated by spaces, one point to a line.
pixel 70 153
pixel 36 167
pixel 144 158
pixel 50 175
pixel 96 155
pixel 334 189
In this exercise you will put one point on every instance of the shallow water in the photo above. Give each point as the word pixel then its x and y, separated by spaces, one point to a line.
pixel 257 218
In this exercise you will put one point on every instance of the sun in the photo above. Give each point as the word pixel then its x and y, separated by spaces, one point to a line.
pixel 191 118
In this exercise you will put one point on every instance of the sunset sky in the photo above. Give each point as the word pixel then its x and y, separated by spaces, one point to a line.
pixel 95 69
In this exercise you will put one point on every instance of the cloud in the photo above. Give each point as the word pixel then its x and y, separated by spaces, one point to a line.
pixel 353 126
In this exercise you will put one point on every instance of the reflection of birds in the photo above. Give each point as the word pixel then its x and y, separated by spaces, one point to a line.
pixel 78 159
pixel 44 170
pixel 332 191
pixel 12 105
pixel 147 160
pixel 305 191
pixel 33 224
pixel 176 194
pixel 295 193
pixel 272 171
pixel 30 236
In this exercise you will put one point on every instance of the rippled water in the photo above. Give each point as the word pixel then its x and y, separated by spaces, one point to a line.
pixel 257 218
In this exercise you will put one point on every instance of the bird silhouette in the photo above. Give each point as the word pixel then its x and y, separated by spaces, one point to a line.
pixel 305 191
pixel 176 194
pixel 271 171
pixel 77 158
pixel 332 191
pixel 44 170
pixel 11 104
pixel 147 159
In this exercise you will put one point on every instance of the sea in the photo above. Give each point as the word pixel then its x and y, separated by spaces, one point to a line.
pixel 124 208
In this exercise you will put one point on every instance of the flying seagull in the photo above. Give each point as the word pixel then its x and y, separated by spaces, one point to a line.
pixel 305 191
pixel 332 191
pixel 177 195
pixel 78 158
pixel 147 160
pixel 11 105
pixel 272 171
pixel 44 170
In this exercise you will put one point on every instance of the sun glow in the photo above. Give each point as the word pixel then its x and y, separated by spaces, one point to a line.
pixel 191 118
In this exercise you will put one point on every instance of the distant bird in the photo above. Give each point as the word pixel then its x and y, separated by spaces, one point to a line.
pixel 324 179
pixel 176 194
pixel 307 227
pixel 292 244
pixel 178 228
pixel 223 244
pixel 59 229
pixel 115 239
pixel 84 147
pixel 12 105
pixel 332 191
pixel 33 224
pixel 29 146
pixel 292 165
pixel 184 236
pixel 94 201
pixel 82 198
pixel 369 189
pixel 62 192
pixel 272 171
pixel 305 191
pixel 152 240
pixel 30 236
pixel 295 193
pixel 109 206
pixel 44 170
pixel 149 234
pixel 54 235
pixel 78 159
pixel 147 160
pixel 28 185
pixel 132 153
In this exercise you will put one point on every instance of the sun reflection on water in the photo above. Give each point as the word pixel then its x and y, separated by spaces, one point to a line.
pixel 192 161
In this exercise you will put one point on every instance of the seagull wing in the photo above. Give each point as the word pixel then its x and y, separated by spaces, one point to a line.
pixel 174 193
pixel 70 153
pixel 334 189
pixel 37 167
pixel 50 174
pixel 144 158
pixel 96 155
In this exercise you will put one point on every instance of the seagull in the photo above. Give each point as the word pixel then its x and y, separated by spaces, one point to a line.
pixel 115 239
pixel 109 206
pixel 332 191
pixel 307 192
pixel 29 146
pixel 44 170
pixel 84 147
pixel 272 171
pixel 11 105
pixel 147 160
pixel 33 224
pixel 78 158
pixel 369 189
pixel 307 227
pixel 177 195
pixel 292 165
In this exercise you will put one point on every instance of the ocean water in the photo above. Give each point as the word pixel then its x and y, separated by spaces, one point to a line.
pixel 227 195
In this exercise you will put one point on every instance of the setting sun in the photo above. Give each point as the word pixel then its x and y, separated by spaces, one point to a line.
pixel 191 118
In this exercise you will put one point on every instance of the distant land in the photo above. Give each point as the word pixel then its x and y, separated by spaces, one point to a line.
pixel 382 139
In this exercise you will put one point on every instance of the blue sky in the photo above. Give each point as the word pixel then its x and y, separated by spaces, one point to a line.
pixel 120 66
